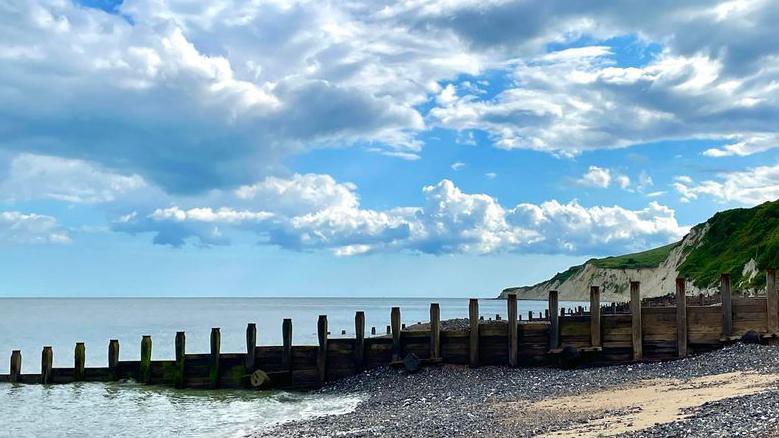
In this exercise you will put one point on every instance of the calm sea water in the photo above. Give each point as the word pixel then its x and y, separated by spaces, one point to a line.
pixel 127 409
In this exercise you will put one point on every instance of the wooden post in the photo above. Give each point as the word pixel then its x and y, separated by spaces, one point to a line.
pixel 473 320
pixel 727 305
pixel 79 357
pixel 554 320
pixel 395 322
pixel 681 318
pixel 47 358
pixel 286 337
pixel 216 343
pixel 181 348
pixel 435 331
pixel 113 358
pixel 772 301
pixel 389 330
pixel 144 374
pixel 15 373
pixel 321 358
pixel 373 331
pixel 359 340
pixel 529 315
pixel 635 311
pixel 251 346
pixel 595 316
pixel 511 315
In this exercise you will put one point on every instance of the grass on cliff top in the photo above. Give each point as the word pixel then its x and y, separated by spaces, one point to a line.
pixel 644 259
pixel 735 237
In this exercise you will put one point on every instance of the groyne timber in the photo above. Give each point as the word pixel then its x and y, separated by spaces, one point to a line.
pixel 609 334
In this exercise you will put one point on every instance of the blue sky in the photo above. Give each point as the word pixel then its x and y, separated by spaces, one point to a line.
pixel 372 149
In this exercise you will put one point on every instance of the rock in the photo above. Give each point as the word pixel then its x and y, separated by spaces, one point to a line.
pixel 412 363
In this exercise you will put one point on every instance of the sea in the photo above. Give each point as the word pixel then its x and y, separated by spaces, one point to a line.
pixel 129 409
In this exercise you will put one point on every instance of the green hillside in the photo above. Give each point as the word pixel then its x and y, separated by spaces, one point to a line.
pixel 644 259
pixel 735 237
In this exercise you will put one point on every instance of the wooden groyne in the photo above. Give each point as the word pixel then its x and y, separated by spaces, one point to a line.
pixel 615 333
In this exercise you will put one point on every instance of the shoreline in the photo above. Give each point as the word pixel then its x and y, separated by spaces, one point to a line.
pixel 732 390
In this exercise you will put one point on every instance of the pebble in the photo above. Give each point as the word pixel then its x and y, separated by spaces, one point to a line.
pixel 459 401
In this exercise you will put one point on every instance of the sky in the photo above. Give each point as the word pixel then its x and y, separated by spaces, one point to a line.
pixel 369 148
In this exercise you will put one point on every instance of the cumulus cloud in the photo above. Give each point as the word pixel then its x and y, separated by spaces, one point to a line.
pixel 292 214
pixel 746 187
pixel 596 177
pixel 192 97
pixel 603 177
pixel 30 228
pixel 44 177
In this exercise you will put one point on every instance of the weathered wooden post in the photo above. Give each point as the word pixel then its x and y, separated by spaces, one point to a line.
pixel 113 358
pixel 435 331
pixel 213 371
pixel 635 312
pixel 79 357
pixel 47 358
pixel 473 321
pixel 373 331
pixel 772 301
pixel 359 340
pixel 727 305
pixel 554 320
pixel 286 339
pixel 389 330
pixel 511 313
pixel 681 318
pixel 595 316
pixel 15 374
pixel 321 358
pixel 181 348
pixel 145 366
pixel 395 322
pixel 251 346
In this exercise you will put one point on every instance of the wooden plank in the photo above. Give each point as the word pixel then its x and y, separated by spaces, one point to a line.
pixel 321 360
pixel 554 320
pixel 181 359
pixel 435 331
pixel 286 335
pixel 727 305
pixel 595 334
pixel 15 371
pixel 359 342
pixel 772 301
pixel 635 310
pixel 251 347
pixel 213 372
pixel 144 370
pixel 113 357
pixel 47 358
pixel 513 347
pixel 395 323
pixel 79 357
pixel 473 322
pixel 681 318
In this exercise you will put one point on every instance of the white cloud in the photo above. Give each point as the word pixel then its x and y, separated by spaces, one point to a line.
pixel 603 178
pixel 30 228
pixel 292 214
pixel 457 165
pixel 44 177
pixel 491 175
pixel 596 177
pixel 746 187
pixel 197 96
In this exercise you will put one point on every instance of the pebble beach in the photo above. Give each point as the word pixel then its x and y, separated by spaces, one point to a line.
pixel 728 392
